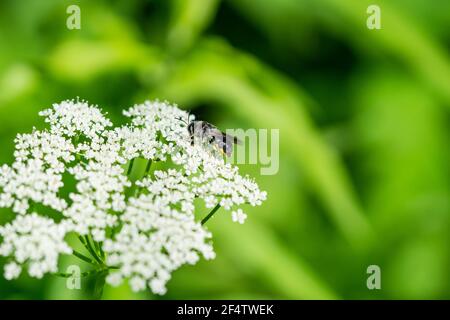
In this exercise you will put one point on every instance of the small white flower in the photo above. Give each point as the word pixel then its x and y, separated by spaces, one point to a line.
pixel 137 284
pixel 12 271
pixel 238 216
pixel 158 286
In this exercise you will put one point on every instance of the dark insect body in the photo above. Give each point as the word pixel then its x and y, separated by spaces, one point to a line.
pixel 205 131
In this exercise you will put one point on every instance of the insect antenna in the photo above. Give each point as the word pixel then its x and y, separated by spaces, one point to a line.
pixel 184 120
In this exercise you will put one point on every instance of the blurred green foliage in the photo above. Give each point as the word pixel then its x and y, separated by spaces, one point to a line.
pixel 363 118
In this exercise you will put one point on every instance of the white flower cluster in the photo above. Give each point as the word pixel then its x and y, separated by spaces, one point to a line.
pixel 150 246
pixel 146 227
pixel 35 240
pixel 201 173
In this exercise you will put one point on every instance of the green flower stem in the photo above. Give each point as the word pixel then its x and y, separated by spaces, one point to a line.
pixel 138 191
pixel 63 275
pixel 87 244
pixel 102 269
pixel 98 249
pixel 82 241
pixel 92 251
pixel 205 219
pixel 83 274
pixel 82 257
pixel 100 281
pixel 147 169
pixel 102 253
pixel 130 167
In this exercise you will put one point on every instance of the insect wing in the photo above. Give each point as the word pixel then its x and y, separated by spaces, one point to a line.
pixel 223 141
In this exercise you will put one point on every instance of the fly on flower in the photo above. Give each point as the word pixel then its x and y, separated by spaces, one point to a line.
pixel 205 131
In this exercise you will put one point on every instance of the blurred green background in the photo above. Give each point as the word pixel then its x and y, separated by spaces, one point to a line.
pixel 363 118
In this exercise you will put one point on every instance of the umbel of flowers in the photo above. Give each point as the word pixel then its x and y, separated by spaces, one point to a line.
pixel 140 230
